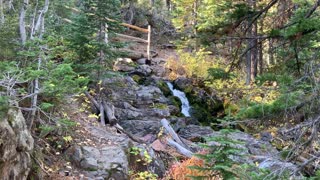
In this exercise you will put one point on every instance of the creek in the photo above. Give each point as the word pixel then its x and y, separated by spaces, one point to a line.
pixel 185 107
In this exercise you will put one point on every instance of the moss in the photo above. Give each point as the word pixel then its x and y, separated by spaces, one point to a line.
pixel 136 78
pixel 202 114
pixel 162 85
pixel 91 169
pixel 175 101
pixel 159 106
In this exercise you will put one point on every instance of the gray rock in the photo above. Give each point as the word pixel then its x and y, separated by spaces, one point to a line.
pixel 16 145
pixel 100 161
pixel 195 133
pixel 123 65
pixel 89 164
pixel 258 151
pixel 182 83
pixel 141 128
pixel 142 61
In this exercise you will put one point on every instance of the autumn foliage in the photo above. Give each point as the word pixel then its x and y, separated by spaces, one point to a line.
pixel 183 171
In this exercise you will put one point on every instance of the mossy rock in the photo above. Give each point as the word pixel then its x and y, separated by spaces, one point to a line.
pixel 159 106
pixel 201 114
pixel 162 85
pixel 175 101
pixel 141 80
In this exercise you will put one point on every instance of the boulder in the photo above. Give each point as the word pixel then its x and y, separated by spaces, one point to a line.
pixel 141 128
pixel 141 70
pixel 142 61
pixel 195 133
pixel 100 162
pixel 124 65
pixel 138 161
pixel 184 84
pixel 16 145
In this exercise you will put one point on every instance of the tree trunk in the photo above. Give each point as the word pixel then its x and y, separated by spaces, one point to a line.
pixel 270 53
pixel 1 12
pixel 33 20
pixel 102 118
pixel 22 24
pixel 34 100
pixel 254 45
pixel 260 50
pixel 109 109
pixel 36 90
pixel 195 23
pixel 248 56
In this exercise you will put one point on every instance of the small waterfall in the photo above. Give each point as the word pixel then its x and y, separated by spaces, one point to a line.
pixel 184 100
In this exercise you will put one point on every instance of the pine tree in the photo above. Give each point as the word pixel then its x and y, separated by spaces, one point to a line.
pixel 90 32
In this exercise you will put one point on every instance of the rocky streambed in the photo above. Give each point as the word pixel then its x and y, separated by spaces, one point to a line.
pixel 141 100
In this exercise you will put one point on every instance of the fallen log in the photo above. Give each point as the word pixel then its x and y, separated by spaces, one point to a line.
pixel 172 133
pixel 109 109
pixel 102 118
pixel 93 101
pixel 179 148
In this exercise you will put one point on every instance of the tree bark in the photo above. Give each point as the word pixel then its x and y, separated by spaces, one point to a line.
pixel 248 57
pixel 260 50
pixel 172 133
pixel 254 45
pixel 102 118
pixel 1 12
pixel 109 109
pixel 36 89
pixel 39 26
pixel 22 24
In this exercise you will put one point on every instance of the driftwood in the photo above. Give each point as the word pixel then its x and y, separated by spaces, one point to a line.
pixel 102 118
pixel 172 133
pixel 176 141
pixel 109 110
pixel 179 148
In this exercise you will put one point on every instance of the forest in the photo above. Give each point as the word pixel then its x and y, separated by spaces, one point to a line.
pixel 159 89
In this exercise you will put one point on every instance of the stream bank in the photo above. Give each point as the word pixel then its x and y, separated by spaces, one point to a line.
pixel 141 100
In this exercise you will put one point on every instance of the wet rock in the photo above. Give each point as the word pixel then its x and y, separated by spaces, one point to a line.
pixel 205 104
pixel 184 84
pixel 16 145
pixel 162 85
pixel 174 110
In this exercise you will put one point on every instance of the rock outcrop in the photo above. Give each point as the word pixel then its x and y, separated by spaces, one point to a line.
pixel 16 145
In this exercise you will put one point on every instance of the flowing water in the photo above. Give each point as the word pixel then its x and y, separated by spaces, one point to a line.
pixel 185 107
